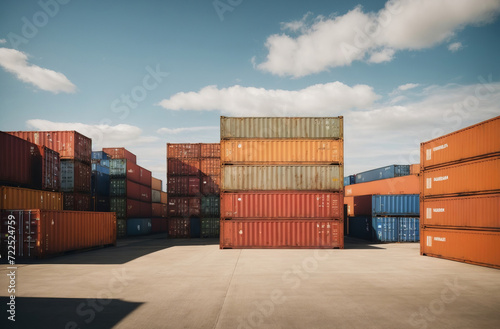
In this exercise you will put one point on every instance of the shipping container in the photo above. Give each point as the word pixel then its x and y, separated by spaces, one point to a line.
pixel 359 205
pixel 102 163
pixel 210 166
pixel 273 233
pixel 156 210
pixel 396 229
pixel 100 168
pixel 194 227
pixel 159 225
pixel 156 184
pixel 210 206
pixel 349 206
pixel 275 127
pixel 164 212
pixel 178 227
pixel 409 229
pixel 121 228
pixel 155 196
pixel 183 151
pixel 74 201
pixel 70 145
pixel 415 169
pixel 51 169
pixel 184 206
pixel 101 203
pixel 129 208
pixel 125 168
pixel 282 205
pixel 75 176
pixel 210 150
pixel 473 212
pixel 398 185
pixel 349 180
pixel 282 151
pixel 183 185
pixel 360 227
pixel 480 176
pixel 100 155
pixel 42 233
pixel 210 227
pixel 474 142
pixel 396 205
pixel 145 177
pixel 183 167
pixel 210 185
pixel 120 153
pixel 164 197
pixel 100 184
pixel 121 187
pixel 138 226
pixel 383 173
pixel 285 177
pixel 20 162
pixel 22 198
pixel 469 246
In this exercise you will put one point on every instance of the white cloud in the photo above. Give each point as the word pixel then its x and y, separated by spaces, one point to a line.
pixel 296 26
pixel 455 46
pixel 2 41
pixel 408 86
pixel 374 37
pixel 15 62
pixel 321 99
pixel 176 131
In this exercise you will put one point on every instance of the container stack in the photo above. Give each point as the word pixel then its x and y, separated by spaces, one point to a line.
pixel 210 180
pixel 460 195
pixel 159 209
pixel 281 183
pixel 100 182
pixel 130 193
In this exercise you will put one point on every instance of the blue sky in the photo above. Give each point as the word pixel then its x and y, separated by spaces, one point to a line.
pixel 140 74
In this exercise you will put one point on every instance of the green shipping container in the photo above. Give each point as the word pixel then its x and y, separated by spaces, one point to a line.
pixel 210 206
pixel 210 227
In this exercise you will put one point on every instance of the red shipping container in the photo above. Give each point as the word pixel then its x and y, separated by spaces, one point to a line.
pixel 138 209
pixel 145 193
pixel 77 201
pixel 210 166
pixel 469 246
pixel 477 141
pixel 271 233
pixel 398 185
pixel 480 176
pixel 75 176
pixel 156 210
pixel 51 169
pixel 120 153
pixel 210 150
pixel 183 167
pixel 184 206
pixel 43 233
pixel 179 228
pixel 69 144
pixel 159 225
pixel 359 205
pixel 183 150
pixel 281 205
pixel 20 162
pixel 183 185
pixel 145 177
pixel 479 212
pixel 210 185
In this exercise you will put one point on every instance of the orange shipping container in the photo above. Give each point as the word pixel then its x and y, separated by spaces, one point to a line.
pixel 470 246
pixel 398 185
pixel 156 184
pixel 472 142
pixel 23 198
pixel 42 233
pixel 480 211
pixel 164 197
pixel 415 169
pixel 480 176
pixel 210 166
pixel 210 150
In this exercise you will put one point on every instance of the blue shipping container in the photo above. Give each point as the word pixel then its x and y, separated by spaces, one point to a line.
pixel 100 184
pixel 383 173
pixel 409 229
pixel 349 180
pixel 396 205
pixel 138 226
pixel 195 227
pixel 385 229
pixel 100 168
pixel 360 227
pixel 100 155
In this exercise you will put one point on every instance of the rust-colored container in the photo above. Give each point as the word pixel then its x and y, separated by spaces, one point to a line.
pixel 43 233
pixel 183 151
pixel 120 153
pixel 470 246
pixel 477 141
pixel 164 210
pixel 145 177
pixel 51 169
pixel 75 176
pixel 397 185
pixel 122 187
pixel 282 151
pixel 210 185
pixel 184 206
pixel 210 166
pixel 77 201
pixel 359 205
pixel 157 210
pixel 210 150
pixel 22 198
pixel 156 184
pixel 159 225
pixel 183 185
pixel 183 167
pixel 415 169
pixel 478 212
pixel 69 144
pixel 480 176
pixel 178 228
pixel 164 197
pixel 20 162
pixel 272 233
pixel 282 205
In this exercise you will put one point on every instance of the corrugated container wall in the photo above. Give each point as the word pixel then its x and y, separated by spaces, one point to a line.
pixel 183 185
pixel 210 206
pixel 22 198
pixel 100 155
pixel 77 201
pixel 183 167
pixel 156 184
pixel 210 185
pixel 51 169
pixel 75 176
pixel 120 153
pixel 398 185
pixel 396 205
pixel 138 226
pixel 210 166
pixel 178 227
pixel 274 127
pixel 210 227
pixel 183 151
pixel 210 150
pixel 383 173
pixel 125 168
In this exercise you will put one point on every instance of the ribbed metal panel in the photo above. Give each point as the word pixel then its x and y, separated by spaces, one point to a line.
pixel 273 127
pixel 383 173
pixel 248 178
pixel 396 205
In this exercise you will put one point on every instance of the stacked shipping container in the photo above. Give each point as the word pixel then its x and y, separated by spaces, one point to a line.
pixel 100 183
pixel 460 195
pixel 281 183
pixel 159 210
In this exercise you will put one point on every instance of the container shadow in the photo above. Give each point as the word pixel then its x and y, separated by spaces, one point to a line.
pixel 41 313
pixel 353 243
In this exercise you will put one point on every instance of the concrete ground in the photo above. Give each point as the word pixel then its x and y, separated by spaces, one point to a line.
pixel 151 282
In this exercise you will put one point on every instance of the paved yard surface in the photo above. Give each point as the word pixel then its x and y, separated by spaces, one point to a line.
pixel 151 282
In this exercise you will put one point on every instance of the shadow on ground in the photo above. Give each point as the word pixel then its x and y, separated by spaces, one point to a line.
pixel 353 243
